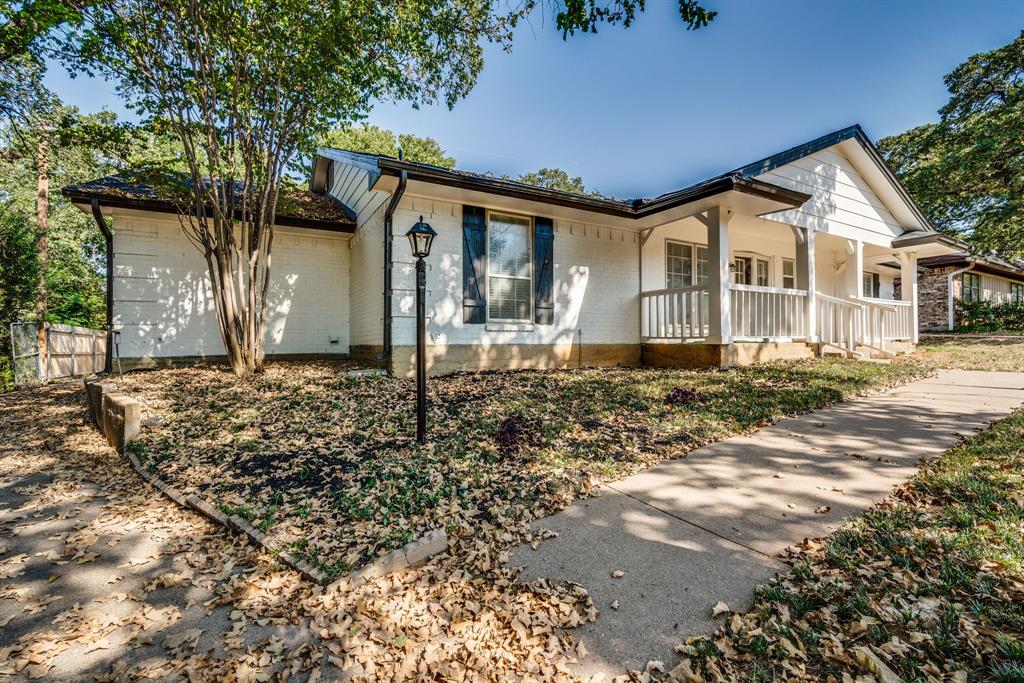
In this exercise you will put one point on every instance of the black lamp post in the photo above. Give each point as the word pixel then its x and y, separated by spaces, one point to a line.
pixel 421 236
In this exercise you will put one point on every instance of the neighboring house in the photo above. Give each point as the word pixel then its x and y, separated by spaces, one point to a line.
pixel 791 255
pixel 945 280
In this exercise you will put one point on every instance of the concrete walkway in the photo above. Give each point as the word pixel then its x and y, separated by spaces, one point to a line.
pixel 689 533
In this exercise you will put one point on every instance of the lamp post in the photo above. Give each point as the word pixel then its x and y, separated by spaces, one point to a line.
pixel 421 236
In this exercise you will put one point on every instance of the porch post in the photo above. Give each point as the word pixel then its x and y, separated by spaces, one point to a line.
pixel 807 281
pixel 908 288
pixel 719 304
pixel 854 274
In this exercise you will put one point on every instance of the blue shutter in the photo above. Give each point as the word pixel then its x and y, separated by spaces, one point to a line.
pixel 544 271
pixel 474 265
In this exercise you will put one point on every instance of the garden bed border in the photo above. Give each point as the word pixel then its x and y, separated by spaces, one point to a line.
pixel 118 418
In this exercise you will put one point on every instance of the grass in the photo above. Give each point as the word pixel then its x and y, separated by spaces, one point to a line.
pixel 316 457
pixel 932 581
pixel 973 353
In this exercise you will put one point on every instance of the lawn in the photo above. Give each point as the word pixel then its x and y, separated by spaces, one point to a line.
pixel 971 353
pixel 327 466
pixel 928 585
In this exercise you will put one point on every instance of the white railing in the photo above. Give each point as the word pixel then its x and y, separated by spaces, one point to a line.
pixel 838 321
pixel 770 313
pixel 675 314
pixel 898 317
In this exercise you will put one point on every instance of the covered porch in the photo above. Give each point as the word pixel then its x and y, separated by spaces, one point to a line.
pixel 727 279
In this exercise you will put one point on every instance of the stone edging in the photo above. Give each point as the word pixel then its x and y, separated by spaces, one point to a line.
pixel 118 419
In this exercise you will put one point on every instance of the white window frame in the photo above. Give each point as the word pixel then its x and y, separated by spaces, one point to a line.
pixel 518 321
pixel 693 260
pixel 964 288
pixel 753 257
pixel 792 263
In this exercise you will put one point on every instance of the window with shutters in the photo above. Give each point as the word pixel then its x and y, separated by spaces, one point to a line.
pixel 788 273
pixel 509 268
pixel 972 287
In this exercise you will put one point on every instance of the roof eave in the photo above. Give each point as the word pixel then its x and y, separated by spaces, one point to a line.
pixel 159 206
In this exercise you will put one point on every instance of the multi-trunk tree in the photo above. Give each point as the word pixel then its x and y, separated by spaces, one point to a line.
pixel 246 84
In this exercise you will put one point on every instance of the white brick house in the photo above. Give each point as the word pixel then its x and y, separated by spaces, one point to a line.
pixel 789 256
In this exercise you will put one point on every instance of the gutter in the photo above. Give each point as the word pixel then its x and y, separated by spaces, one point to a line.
pixel 108 238
pixel 950 317
pixel 389 213
pixel 506 188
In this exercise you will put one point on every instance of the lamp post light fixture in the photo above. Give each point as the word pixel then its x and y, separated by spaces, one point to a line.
pixel 421 236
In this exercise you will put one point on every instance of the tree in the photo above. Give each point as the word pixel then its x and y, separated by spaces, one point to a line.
pixel 374 140
pixel 245 84
pixel 23 23
pixel 556 179
pixel 967 170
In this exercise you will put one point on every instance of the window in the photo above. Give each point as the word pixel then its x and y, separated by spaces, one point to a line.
pixel 762 272
pixel 701 272
pixel 509 268
pixel 972 287
pixel 750 270
pixel 1016 292
pixel 678 265
pixel 872 285
pixel 788 273
pixel 741 274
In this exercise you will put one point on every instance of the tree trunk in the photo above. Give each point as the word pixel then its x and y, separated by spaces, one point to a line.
pixel 42 227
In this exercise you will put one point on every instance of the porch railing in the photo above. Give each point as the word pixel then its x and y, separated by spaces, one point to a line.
pixel 898 317
pixel 837 321
pixel 675 314
pixel 768 312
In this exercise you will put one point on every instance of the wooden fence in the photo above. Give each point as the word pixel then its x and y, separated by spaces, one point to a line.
pixel 70 352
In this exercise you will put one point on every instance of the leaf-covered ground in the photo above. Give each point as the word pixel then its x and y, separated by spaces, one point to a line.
pixel 326 463
pixel 926 586
pixel 1005 354
pixel 102 578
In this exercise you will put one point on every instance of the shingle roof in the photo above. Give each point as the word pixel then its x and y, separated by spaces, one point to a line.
pixel 155 192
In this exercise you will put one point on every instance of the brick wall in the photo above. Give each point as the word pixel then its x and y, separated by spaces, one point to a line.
pixel 933 297
pixel 162 298
pixel 596 280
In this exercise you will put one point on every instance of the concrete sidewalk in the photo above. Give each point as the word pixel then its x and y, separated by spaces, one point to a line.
pixel 691 532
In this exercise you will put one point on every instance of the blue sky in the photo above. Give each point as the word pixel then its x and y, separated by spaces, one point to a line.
pixel 641 111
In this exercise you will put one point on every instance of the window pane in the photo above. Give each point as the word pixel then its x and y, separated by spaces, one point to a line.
pixel 678 264
pixel 867 284
pixel 509 254
pixel 702 266
pixel 788 267
pixel 508 298
pixel 762 273
pixel 509 246
pixel 742 274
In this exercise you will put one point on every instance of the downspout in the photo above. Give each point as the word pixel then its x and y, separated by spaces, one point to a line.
pixel 108 237
pixel 950 313
pixel 388 249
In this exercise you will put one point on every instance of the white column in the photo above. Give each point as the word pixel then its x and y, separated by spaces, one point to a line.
pixel 854 274
pixel 908 288
pixel 807 280
pixel 719 304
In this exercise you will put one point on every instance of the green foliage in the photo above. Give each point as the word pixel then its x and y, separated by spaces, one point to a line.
pixel 18 270
pixel 23 23
pixel 586 15
pixel 967 170
pixel 556 179
pixel 982 316
pixel 375 140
